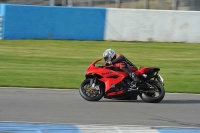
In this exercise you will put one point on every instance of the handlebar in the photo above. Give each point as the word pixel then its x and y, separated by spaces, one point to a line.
pixel 105 66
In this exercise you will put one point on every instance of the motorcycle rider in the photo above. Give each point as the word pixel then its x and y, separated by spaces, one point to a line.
pixel 111 58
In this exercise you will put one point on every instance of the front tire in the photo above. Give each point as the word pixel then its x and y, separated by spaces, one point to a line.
pixel 88 93
pixel 151 97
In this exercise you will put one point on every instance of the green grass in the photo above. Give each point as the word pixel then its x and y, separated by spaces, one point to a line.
pixel 61 64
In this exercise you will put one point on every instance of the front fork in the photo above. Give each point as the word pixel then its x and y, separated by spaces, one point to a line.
pixel 91 81
pixel 93 84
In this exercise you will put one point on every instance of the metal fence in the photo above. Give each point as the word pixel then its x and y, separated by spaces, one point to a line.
pixel 136 4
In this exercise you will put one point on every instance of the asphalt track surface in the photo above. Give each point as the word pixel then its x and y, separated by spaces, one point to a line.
pixel 67 106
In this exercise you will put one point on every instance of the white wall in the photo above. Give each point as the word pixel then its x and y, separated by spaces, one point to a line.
pixel 152 25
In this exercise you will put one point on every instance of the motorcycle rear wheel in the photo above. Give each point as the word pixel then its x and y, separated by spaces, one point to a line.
pixel 88 93
pixel 151 97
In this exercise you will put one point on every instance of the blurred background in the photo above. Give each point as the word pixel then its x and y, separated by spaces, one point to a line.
pixel 188 5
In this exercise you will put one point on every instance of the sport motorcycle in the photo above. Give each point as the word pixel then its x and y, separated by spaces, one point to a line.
pixel 102 81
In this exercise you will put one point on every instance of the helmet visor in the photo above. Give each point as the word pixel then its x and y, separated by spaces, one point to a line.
pixel 107 59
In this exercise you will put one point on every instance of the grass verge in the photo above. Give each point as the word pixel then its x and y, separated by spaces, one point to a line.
pixel 61 64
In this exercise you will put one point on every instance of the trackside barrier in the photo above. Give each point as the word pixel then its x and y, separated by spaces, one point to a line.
pixel 152 25
pixel 78 23
pixel 53 22
pixel 1 27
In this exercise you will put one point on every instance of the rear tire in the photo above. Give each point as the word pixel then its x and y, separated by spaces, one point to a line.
pixel 151 98
pixel 83 90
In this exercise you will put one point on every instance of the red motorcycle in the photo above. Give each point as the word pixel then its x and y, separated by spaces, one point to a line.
pixel 103 81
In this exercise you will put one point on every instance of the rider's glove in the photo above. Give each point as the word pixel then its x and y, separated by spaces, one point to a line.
pixel 109 63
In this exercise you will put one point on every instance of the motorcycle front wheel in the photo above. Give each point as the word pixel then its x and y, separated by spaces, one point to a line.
pixel 89 92
pixel 154 95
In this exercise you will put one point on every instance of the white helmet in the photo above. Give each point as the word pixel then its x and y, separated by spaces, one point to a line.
pixel 108 54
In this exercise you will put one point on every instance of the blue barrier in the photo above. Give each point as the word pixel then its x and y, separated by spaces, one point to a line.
pixel 51 22
pixel 2 13
pixel 2 9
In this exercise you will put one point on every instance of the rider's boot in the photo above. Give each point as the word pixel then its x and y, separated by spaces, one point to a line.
pixel 133 85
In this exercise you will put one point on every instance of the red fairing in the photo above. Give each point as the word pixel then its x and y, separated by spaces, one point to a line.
pixel 110 77
pixel 111 81
pixel 133 69
pixel 115 93
pixel 142 70
pixel 92 66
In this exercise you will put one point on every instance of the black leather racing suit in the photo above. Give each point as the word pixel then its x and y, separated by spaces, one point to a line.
pixel 121 58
